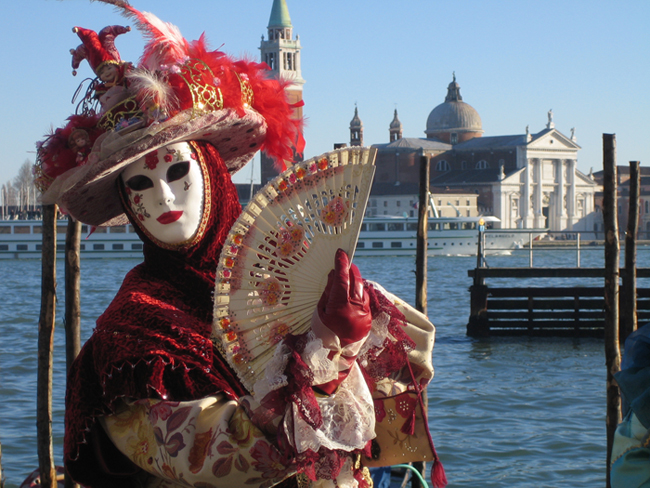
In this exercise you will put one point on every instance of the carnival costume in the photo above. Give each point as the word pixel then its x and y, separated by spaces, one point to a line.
pixel 150 401
pixel 630 466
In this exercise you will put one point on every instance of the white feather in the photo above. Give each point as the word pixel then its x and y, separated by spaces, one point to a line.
pixel 150 89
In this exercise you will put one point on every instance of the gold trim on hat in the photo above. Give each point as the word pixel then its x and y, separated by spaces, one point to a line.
pixel 247 94
pixel 126 109
pixel 205 96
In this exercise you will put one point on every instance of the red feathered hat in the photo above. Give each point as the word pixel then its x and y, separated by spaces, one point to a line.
pixel 180 91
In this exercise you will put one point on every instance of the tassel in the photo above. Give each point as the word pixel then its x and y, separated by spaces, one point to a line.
pixel 409 426
pixel 438 476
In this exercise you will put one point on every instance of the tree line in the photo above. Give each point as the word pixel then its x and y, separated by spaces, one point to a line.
pixel 19 198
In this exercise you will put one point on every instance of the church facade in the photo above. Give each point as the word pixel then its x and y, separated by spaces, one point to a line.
pixel 527 180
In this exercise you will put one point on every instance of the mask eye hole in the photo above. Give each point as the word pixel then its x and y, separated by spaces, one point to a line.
pixel 178 171
pixel 139 183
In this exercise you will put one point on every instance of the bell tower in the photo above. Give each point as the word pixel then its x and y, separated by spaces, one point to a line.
pixel 395 128
pixel 356 129
pixel 281 52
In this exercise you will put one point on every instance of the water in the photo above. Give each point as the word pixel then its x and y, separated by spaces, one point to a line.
pixel 503 412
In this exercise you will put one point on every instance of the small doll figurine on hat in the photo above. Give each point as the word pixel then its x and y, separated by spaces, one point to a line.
pixel 150 401
pixel 104 58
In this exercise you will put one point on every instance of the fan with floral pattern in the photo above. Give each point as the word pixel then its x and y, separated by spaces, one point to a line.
pixel 276 258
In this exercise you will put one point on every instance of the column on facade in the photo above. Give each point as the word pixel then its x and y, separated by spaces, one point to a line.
pixel 571 194
pixel 499 199
pixel 524 204
pixel 296 56
pixel 538 194
pixel 559 211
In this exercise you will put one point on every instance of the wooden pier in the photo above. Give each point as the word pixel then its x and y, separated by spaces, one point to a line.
pixel 574 311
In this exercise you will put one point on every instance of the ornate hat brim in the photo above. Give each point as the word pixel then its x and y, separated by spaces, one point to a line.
pixel 89 192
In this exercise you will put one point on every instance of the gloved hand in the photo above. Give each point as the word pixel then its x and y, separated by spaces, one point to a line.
pixel 343 311
pixel 344 307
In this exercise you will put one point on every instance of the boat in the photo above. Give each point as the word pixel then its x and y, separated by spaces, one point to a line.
pixel 446 236
pixel 379 236
pixel 22 239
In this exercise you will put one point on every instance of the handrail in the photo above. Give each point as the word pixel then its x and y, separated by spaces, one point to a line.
pixel 551 241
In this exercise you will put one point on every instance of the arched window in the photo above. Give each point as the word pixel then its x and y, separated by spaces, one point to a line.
pixel 442 166
pixel 482 164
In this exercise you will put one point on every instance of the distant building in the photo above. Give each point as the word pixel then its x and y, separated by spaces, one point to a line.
pixel 281 52
pixel 623 200
pixel 526 180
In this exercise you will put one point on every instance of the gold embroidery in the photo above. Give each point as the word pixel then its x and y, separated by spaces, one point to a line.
pixel 200 80
pixel 246 91
pixel 124 111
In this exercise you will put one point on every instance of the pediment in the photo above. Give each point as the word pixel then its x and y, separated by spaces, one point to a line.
pixel 583 179
pixel 552 140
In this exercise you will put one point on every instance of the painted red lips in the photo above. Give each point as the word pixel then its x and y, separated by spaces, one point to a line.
pixel 169 217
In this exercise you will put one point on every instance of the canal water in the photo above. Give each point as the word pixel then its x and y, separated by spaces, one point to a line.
pixel 504 412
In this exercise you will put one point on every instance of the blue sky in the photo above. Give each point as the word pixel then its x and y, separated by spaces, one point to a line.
pixel 588 61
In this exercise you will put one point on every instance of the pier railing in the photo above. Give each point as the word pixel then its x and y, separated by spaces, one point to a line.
pixel 546 301
pixel 543 310
pixel 537 245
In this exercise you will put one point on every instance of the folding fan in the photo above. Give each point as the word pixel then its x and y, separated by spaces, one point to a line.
pixel 276 258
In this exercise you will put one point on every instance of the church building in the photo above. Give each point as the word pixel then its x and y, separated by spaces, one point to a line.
pixel 527 180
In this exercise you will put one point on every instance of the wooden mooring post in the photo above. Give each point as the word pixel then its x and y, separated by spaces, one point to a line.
pixel 628 311
pixel 421 264
pixel 45 349
pixel 612 256
pixel 72 301
pixel 72 291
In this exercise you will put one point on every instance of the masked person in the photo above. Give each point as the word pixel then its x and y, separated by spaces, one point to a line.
pixel 150 401
pixel 630 460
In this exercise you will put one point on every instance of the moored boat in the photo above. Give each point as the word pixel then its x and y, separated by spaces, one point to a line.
pixel 447 236
pixel 22 239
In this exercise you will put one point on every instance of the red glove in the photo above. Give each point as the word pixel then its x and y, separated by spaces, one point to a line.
pixel 344 309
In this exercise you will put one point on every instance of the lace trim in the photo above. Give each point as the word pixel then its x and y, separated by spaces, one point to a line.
pixel 274 377
pixel 316 357
pixel 348 418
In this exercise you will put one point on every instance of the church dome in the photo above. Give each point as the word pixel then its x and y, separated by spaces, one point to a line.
pixel 453 115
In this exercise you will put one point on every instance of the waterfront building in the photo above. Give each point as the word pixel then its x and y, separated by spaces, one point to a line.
pixel 527 180
pixel 623 199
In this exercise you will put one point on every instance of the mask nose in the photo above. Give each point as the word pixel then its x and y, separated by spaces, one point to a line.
pixel 166 195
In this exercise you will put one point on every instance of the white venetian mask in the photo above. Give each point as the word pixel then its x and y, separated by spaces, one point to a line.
pixel 165 190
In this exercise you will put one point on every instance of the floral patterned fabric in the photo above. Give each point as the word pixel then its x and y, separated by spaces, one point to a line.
pixel 207 442
pixel 216 441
